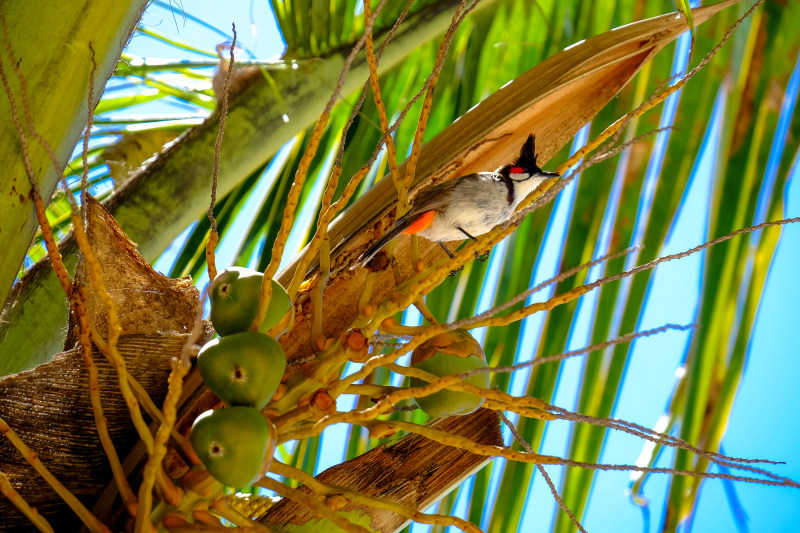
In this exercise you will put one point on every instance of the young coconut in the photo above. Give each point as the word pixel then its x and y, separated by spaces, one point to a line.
pixel 233 444
pixel 243 368
pixel 234 296
pixel 453 352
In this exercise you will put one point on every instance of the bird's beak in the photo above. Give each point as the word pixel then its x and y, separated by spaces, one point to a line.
pixel 549 174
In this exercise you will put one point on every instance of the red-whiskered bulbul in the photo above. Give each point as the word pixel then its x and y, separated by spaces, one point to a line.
pixel 468 206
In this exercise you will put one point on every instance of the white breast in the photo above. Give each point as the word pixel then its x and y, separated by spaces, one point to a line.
pixel 476 205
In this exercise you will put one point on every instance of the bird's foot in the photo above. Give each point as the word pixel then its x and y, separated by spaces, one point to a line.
pixel 456 271
pixel 482 257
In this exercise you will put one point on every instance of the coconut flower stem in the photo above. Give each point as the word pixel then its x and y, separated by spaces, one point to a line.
pixel 19 502
pixel 312 503
pixel 362 499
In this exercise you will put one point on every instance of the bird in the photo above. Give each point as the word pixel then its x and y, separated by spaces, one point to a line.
pixel 468 206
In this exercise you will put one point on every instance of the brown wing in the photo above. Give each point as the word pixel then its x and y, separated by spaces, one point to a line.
pixel 436 197
pixel 431 198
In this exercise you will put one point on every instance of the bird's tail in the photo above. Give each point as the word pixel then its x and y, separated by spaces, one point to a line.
pixel 399 226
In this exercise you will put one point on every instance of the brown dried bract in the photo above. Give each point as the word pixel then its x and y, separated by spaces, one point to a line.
pixel 380 262
pixel 174 465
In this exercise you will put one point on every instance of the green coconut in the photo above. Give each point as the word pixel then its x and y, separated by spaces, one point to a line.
pixel 232 443
pixel 453 352
pixel 235 294
pixel 243 368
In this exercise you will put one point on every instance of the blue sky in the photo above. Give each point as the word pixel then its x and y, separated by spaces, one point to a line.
pixel 757 427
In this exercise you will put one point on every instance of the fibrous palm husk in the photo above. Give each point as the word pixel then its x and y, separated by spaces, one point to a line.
pixel 49 406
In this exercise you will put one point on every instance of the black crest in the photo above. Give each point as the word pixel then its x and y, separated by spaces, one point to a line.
pixel 527 156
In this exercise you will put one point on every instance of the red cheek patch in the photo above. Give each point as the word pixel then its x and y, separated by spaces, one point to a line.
pixel 423 222
pixel 517 170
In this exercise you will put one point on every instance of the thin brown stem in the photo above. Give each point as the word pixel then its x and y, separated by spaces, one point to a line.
pixel 213 237
pixel 312 503
pixel 542 471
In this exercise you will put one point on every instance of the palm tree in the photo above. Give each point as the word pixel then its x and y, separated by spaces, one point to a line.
pixel 735 116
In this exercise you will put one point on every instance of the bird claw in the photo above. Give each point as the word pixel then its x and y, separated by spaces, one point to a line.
pixel 456 271
pixel 482 257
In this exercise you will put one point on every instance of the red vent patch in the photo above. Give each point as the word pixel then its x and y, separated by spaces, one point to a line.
pixel 423 222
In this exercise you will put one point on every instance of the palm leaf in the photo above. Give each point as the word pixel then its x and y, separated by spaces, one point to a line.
pixel 61 110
